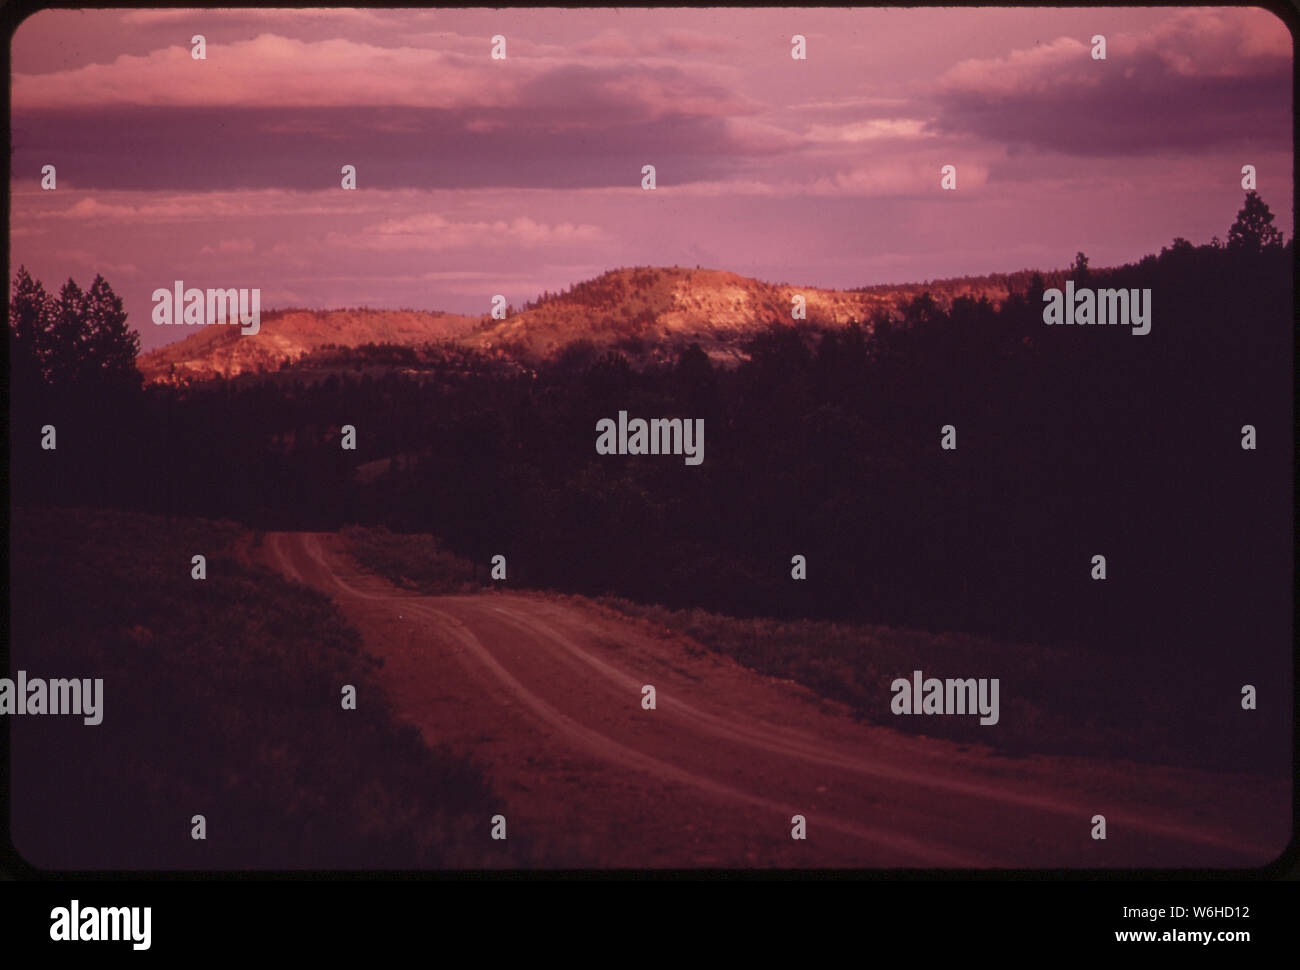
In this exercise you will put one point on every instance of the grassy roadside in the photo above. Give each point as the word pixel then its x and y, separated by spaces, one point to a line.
pixel 221 698
pixel 1052 701
pixel 415 562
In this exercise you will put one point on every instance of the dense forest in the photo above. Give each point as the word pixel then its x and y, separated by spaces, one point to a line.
pixel 1071 442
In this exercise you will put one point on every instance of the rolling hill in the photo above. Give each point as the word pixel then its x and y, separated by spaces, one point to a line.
pixel 288 335
pixel 644 312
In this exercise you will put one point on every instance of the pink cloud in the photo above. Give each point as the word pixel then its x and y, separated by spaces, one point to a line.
pixel 455 73
pixel 870 129
pixel 285 71
pixel 1200 42
pixel 434 232
pixel 672 40
pixel 1062 63
pixel 229 247
pixel 901 178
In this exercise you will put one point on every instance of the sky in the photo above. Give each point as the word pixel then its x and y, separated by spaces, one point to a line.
pixel 477 176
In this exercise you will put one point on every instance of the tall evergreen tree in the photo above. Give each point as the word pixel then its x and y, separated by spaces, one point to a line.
pixel 1254 230
pixel 112 345
pixel 68 336
pixel 30 317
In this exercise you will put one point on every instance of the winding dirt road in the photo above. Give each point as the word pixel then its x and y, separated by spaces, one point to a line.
pixel 544 693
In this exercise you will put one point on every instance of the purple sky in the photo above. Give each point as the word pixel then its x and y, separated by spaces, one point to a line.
pixel 478 176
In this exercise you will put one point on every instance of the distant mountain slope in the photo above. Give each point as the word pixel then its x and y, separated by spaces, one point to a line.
pixel 658 307
pixel 222 351
pixel 645 312
pixel 994 285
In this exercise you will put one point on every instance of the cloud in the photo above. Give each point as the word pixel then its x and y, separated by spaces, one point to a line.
pixel 897 179
pixel 1063 63
pixel 554 143
pixel 154 207
pixel 342 16
pixel 873 129
pixel 281 71
pixel 883 177
pixel 95 262
pixel 1202 79
pixel 1198 43
pixel 228 247
pixel 613 43
pixel 277 111
pixel 430 231
pixel 272 69
pixel 1223 42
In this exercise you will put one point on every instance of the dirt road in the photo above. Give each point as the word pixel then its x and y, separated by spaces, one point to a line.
pixel 545 694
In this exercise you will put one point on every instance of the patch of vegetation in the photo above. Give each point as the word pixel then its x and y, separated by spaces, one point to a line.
pixel 1052 701
pixel 221 698
pixel 414 562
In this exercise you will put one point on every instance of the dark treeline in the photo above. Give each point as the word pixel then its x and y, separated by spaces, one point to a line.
pixel 1072 442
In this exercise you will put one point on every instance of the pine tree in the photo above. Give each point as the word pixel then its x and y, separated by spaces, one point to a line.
pixel 30 313
pixel 68 336
pixel 1254 230
pixel 112 345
